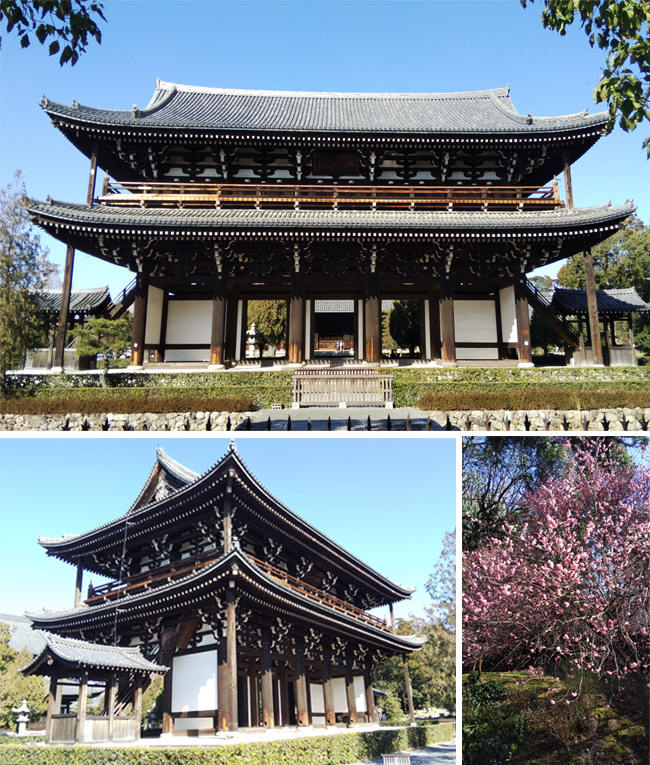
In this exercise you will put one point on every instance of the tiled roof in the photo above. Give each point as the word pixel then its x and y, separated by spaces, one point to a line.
pixel 183 106
pixel 609 301
pixel 348 220
pixel 22 634
pixel 78 653
pixel 81 301
pixel 172 476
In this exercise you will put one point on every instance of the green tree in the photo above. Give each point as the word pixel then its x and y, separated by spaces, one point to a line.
pixel 386 339
pixel 269 318
pixel 621 28
pixel 542 336
pixel 110 337
pixel 67 23
pixel 14 686
pixel 404 324
pixel 24 270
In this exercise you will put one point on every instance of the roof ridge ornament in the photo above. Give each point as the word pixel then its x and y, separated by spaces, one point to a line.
pixel 232 446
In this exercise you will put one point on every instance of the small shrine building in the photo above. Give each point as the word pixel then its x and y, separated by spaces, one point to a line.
pixel 216 197
pixel 260 619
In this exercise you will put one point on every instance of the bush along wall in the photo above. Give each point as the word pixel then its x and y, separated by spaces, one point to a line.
pixel 344 748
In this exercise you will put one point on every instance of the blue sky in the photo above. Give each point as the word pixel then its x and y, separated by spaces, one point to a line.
pixel 389 501
pixel 335 45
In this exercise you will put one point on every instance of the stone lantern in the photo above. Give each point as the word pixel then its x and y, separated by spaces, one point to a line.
pixel 22 717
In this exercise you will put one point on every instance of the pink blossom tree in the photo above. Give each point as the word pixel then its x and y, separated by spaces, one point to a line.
pixel 572 584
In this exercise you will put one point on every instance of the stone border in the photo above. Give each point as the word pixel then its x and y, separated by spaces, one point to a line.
pixel 598 420
pixel 215 421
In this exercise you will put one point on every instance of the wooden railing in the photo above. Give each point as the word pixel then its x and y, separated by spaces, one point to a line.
pixel 165 574
pixel 357 386
pixel 329 197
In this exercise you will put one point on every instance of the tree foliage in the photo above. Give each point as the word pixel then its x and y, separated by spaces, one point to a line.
pixel 24 270
pixel 110 337
pixel 404 324
pixel 270 319
pixel 621 28
pixel 571 585
pixel 621 261
pixel 67 23
pixel 14 686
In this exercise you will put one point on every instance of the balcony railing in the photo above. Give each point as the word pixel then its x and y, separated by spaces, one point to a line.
pixel 165 574
pixel 270 196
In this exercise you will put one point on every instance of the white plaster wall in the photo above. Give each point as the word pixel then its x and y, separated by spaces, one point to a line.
pixel 194 682
pixel 197 354
pixel 360 694
pixel 340 696
pixel 154 315
pixel 317 698
pixel 193 723
pixel 189 321
pixel 470 354
pixel 508 320
pixel 475 321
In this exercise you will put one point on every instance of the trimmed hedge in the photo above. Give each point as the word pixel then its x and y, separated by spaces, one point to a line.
pixel 322 750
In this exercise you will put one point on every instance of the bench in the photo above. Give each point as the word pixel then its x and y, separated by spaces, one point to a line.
pixel 336 386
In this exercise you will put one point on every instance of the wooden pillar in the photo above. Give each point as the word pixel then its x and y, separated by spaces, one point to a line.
pixel 608 326
pixel 328 692
pixel 370 697
pixel 139 321
pixel 409 690
pixel 78 585
pixel 568 188
pixel 93 174
pixel 137 705
pixel 268 719
pixel 81 707
pixel 227 518
pixel 296 353
pixel 223 690
pixel 284 700
pixel 167 653
pixel 434 323
pixel 359 343
pixel 447 322
pixel 242 313
pixel 392 618
pixel 254 692
pixel 425 336
pixel 217 334
pixel 231 647
pixel 111 696
pixel 301 688
pixel 230 338
pixel 372 329
pixel 592 308
pixel 309 330
pixel 62 328
pixel 351 697
pixel 53 706
pixel 523 324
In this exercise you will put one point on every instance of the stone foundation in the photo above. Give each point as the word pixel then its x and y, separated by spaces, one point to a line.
pixel 217 421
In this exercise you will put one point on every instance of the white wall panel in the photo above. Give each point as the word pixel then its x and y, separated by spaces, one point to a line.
pixel 317 698
pixel 340 696
pixel 477 353
pixel 194 682
pixel 193 723
pixel 154 315
pixel 197 354
pixel 189 321
pixel 508 320
pixel 475 321
pixel 360 694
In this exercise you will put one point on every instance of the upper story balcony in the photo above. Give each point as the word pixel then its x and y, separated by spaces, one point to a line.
pixel 269 196
pixel 162 575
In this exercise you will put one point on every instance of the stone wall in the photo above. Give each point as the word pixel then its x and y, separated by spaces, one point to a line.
pixel 121 422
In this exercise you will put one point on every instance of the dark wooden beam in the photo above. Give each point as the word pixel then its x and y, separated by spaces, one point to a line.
pixel 231 643
pixel 372 322
pixel 447 323
pixel 218 325
pixel 351 697
pixel 409 690
pixel 59 352
pixel 302 705
pixel 139 320
pixel 268 719
pixel 568 188
pixel 78 584
pixel 93 174
pixel 296 320
pixel 523 323
pixel 592 307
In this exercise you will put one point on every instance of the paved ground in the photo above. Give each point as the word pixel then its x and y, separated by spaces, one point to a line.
pixel 316 418
pixel 435 754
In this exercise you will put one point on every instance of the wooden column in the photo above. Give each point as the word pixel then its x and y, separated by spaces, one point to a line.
pixel 268 719
pixel 359 343
pixel 328 692
pixel 223 691
pixel 167 653
pixel 296 332
pixel 227 517
pixel 370 697
pixel 242 327
pixel 230 337
pixel 78 585
pixel 302 704
pixel 231 647
pixel 93 174
pixel 568 188
pixel 217 334
pixel 81 707
pixel 254 691
pixel 592 307
pixel 137 705
pixel 425 336
pixel 409 690
pixel 372 328
pixel 608 326
pixel 111 697
pixel 392 618
pixel 434 323
pixel 61 331
pixel 352 699
pixel 53 706
pixel 139 320
pixel 523 324
pixel 447 323
pixel 284 700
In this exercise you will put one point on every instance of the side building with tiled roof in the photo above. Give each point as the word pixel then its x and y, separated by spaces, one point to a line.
pixel 261 619
pixel 224 196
